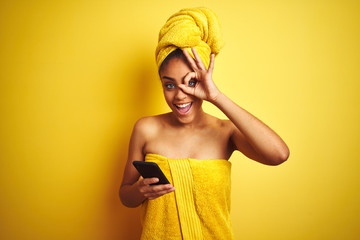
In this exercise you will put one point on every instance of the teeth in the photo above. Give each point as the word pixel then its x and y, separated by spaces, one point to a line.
pixel 183 105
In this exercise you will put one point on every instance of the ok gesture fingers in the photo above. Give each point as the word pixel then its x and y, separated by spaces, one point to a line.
pixel 199 82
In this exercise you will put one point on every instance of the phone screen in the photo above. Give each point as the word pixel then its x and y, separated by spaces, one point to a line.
pixel 150 170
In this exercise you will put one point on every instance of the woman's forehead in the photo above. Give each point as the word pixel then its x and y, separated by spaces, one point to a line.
pixel 176 68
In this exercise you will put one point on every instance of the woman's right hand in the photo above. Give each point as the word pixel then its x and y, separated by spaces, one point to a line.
pixel 153 191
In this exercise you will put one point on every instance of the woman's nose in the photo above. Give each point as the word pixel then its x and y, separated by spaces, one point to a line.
pixel 180 95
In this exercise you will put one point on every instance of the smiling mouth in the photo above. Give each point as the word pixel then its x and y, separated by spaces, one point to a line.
pixel 183 108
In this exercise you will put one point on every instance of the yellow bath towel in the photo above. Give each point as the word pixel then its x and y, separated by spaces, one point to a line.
pixel 190 27
pixel 200 206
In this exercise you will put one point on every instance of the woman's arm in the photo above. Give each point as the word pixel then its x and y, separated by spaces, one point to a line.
pixel 250 136
pixel 135 190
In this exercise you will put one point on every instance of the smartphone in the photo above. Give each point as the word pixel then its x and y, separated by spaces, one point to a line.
pixel 150 170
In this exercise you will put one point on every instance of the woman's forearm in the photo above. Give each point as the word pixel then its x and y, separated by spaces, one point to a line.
pixel 263 139
pixel 130 195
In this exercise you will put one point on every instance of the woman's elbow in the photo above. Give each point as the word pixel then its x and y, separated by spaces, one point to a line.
pixel 124 200
pixel 280 157
pixel 128 204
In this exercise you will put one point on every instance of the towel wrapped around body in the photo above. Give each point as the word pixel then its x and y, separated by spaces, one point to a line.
pixel 199 208
pixel 190 27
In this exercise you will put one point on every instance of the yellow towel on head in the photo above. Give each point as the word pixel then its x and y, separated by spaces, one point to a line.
pixel 190 27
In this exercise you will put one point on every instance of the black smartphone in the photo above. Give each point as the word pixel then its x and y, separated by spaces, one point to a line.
pixel 150 170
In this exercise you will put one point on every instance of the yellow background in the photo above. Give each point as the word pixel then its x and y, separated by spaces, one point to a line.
pixel 76 75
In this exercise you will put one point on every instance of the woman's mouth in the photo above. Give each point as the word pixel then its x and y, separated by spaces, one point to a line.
pixel 183 108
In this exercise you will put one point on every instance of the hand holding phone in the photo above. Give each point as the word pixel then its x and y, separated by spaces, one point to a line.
pixel 150 170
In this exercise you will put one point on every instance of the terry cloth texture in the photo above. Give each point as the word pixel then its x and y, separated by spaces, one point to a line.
pixel 190 27
pixel 199 208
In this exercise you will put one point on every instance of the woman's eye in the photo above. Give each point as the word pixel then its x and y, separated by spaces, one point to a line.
pixel 169 86
pixel 192 83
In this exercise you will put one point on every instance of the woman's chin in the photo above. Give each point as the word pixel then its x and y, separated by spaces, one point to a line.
pixel 183 118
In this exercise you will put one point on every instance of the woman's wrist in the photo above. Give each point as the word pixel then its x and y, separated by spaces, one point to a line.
pixel 216 99
pixel 137 188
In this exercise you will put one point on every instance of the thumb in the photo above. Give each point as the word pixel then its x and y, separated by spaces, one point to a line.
pixel 186 89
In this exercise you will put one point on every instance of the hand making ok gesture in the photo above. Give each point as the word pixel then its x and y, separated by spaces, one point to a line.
pixel 204 87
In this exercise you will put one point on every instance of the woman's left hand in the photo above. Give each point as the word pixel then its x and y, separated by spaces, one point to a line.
pixel 204 87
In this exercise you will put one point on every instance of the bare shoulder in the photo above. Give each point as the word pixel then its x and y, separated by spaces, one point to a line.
pixel 221 124
pixel 148 126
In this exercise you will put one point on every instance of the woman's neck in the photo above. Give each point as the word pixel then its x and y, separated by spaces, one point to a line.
pixel 198 121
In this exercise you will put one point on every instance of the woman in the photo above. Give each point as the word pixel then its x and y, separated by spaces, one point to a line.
pixel 192 147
